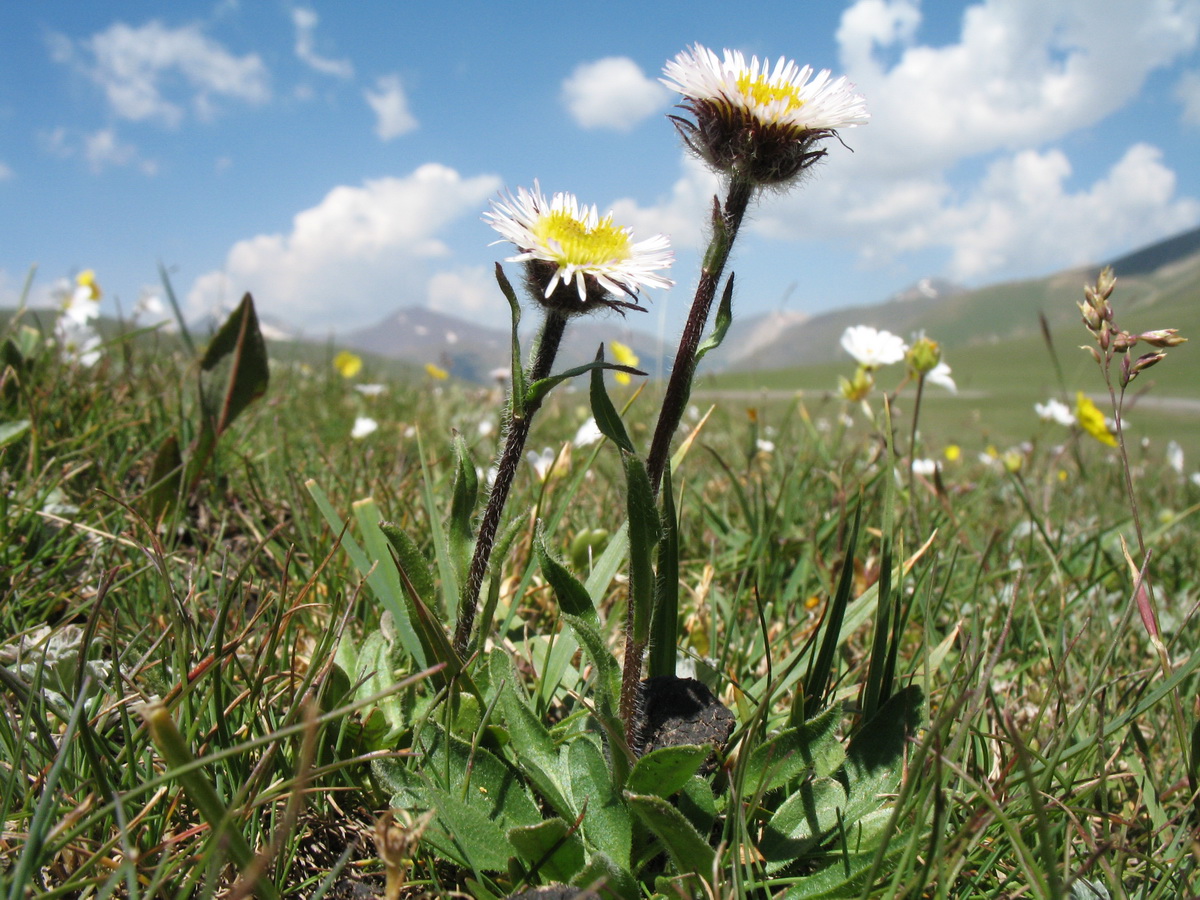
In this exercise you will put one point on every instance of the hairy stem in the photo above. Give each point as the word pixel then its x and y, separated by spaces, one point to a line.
pixel 726 223
pixel 506 469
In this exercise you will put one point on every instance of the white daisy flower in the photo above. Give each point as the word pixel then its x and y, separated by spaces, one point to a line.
pixel 926 468
pixel 940 375
pixel 1055 411
pixel 363 426
pixel 873 348
pixel 755 118
pixel 77 340
pixel 370 390
pixel 589 432
pixel 578 243
pixel 1175 457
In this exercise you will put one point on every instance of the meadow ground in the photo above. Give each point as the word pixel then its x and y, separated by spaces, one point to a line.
pixel 203 696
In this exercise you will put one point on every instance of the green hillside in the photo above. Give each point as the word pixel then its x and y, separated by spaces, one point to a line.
pixel 992 339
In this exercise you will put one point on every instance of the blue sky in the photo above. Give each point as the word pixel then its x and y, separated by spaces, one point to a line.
pixel 334 159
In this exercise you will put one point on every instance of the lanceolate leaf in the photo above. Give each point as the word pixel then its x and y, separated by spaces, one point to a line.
pixel 607 824
pixel 550 849
pixel 690 852
pixel 723 321
pixel 811 747
pixel 608 420
pixel 240 338
pixel 665 771
pixel 462 508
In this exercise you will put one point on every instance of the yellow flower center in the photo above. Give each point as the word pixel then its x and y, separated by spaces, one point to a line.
pixel 762 92
pixel 580 244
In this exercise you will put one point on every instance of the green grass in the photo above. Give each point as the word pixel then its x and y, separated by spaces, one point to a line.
pixel 1054 747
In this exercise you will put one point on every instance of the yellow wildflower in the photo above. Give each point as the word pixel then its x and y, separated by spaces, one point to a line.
pixel 953 452
pixel 348 364
pixel 436 372
pixel 624 356
pixel 1091 420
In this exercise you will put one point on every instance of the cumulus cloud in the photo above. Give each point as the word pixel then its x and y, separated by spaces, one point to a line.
pixel 1022 72
pixel 1020 75
pixel 305 21
pixel 612 93
pixel 682 215
pixel 392 116
pixel 5 172
pixel 1187 92
pixel 471 291
pixel 357 254
pixel 136 67
pixel 1022 216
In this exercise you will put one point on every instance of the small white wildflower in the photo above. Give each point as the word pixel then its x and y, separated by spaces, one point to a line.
pixel 1055 411
pixel 370 390
pixel 926 468
pixel 588 433
pixel 363 426
pixel 873 348
pixel 1175 457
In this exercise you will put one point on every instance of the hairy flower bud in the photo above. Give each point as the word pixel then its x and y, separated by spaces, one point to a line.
pixel 924 355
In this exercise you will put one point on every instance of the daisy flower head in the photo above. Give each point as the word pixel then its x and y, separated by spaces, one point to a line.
pixel 873 348
pixel 757 121
pixel 562 242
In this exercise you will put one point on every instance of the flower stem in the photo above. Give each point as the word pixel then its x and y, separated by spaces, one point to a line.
pixel 726 223
pixel 506 469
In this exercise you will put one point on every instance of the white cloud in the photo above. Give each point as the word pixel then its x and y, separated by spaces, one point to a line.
pixel 5 172
pixel 467 292
pixel 136 66
pixel 103 148
pixel 392 116
pixel 612 93
pixel 1022 72
pixel 1187 92
pixel 359 253
pixel 1022 217
pixel 100 149
pixel 305 20
pixel 683 215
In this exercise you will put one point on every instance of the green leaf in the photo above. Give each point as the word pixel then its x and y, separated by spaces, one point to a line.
pixel 698 804
pixel 690 852
pixel 608 420
pixel 875 757
pixel 163 482
pixel 550 849
pixel 664 623
pixel 607 825
pixel 606 691
pixel 572 597
pixel 843 877
pixel 241 338
pixel 793 752
pixel 802 822
pixel 537 391
pixel 644 530
pixel 477 797
pixel 518 372
pixel 831 626
pixel 465 497
pixel 618 882
pixel 665 771
pixel 531 742
pixel 721 325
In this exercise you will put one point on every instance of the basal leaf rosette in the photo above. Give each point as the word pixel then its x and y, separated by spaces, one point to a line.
pixel 576 260
pixel 758 121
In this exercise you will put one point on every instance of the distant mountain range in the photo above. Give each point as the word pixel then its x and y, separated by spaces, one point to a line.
pixel 955 316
